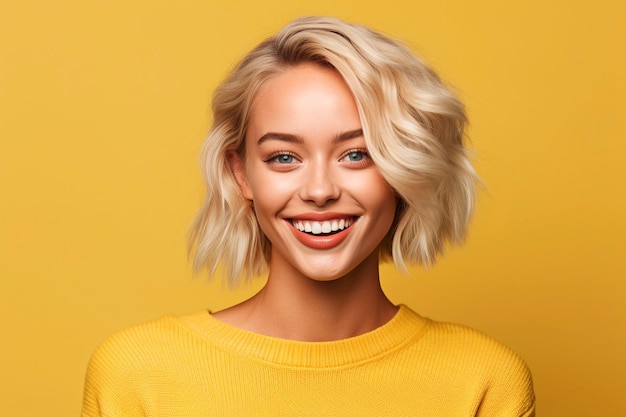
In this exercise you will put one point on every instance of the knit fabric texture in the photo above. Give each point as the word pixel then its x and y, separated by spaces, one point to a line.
pixel 197 366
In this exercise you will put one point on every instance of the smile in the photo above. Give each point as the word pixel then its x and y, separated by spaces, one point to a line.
pixel 326 227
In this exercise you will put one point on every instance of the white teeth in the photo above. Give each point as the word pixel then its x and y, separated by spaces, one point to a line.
pixel 326 226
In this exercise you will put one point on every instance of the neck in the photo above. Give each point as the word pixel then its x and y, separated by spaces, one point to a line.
pixel 294 307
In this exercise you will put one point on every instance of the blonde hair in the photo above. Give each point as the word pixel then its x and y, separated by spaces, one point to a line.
pixel 413 127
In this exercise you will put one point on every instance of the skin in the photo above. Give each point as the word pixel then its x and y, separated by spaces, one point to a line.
pixel 306 160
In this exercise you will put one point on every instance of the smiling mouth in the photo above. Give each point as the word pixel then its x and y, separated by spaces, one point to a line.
pixel 325 227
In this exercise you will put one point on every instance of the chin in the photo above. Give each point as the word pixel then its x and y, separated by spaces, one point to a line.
pixel 326 273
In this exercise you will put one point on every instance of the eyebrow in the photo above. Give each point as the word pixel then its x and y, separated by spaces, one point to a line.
pixel 288 137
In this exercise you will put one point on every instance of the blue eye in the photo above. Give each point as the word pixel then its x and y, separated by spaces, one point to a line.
pixel 355 156
pixel 284 158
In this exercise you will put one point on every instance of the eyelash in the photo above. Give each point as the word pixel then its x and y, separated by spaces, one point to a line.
pixel 273 157
pixel 366 156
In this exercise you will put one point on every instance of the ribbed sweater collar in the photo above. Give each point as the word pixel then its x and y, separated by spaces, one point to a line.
pixel 403 328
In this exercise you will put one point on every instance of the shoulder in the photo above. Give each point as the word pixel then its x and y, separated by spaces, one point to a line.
pixel 134 345
pixel 463 341
pixel 128 354
pixel 500 377
pixel 454 345
pixel 474 346
pixel 129 364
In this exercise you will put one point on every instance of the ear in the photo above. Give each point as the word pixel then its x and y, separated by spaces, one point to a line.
pixel 238 168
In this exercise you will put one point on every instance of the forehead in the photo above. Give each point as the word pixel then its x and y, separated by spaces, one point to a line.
pixel 306 100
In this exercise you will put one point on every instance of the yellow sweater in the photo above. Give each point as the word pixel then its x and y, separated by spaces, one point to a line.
pixel 197 366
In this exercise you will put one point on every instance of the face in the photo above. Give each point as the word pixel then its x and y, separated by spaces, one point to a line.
pixel 317 195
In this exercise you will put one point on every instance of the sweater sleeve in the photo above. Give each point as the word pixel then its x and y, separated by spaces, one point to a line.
pixel 510 390
pixel 111 382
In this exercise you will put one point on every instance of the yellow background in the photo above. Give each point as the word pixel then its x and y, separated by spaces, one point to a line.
pixel 103 108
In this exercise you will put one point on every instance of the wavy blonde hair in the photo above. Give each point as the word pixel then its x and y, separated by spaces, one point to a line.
pixel 413 127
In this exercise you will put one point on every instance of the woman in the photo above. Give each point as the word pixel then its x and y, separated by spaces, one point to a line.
pixel 332 147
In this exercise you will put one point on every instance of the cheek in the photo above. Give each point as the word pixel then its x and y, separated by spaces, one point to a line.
pixel 265 209
pixel 271 189
pixel 378 193
pixel 382 200
pixel 271 194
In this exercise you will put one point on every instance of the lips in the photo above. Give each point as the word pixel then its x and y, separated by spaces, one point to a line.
pixel 322 231
pixel 322 227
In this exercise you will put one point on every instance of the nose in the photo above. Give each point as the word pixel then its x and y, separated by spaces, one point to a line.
pixel 319 186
